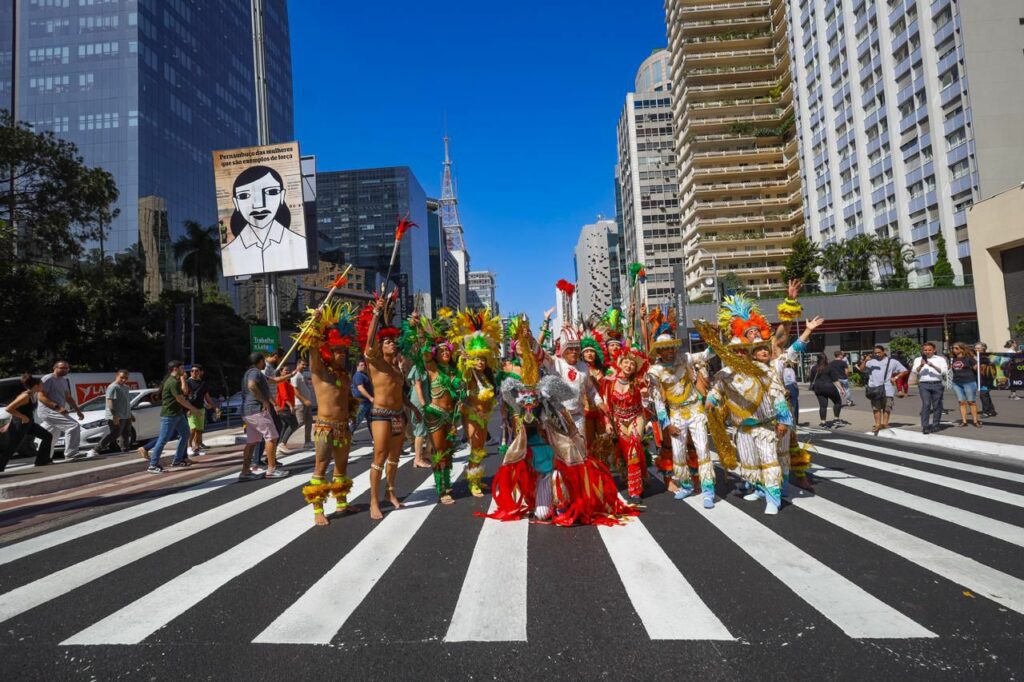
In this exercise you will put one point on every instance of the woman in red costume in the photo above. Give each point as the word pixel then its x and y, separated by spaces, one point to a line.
pixel 622 394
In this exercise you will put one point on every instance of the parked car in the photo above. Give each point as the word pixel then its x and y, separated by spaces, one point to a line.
pixel 145 419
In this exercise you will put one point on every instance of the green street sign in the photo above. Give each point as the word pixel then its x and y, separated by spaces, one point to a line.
pixel 263 339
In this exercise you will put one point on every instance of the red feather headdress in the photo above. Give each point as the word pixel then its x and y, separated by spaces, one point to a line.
pixel 384 329
pixel 565 287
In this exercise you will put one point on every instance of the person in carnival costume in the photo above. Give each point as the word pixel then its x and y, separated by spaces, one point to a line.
pixel 478 336
pixel 378 340
pixel 679 408
pixel 794 458
pixel 427 342
pixel 567 364
pixel 623 394
pixel 750 392
pixel 610 329
pixel 592 353
pixel 326 338
pixel 545 470
pixel 511 367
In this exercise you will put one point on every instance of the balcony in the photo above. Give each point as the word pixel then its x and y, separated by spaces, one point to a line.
pixel 954 123
pixel 962 184
pixel 945 33
pixel 924 231
pixel 960 219
pixel 963 250
pixel 947 63
pixel 938 6
pixel 951 93
pixel 687 12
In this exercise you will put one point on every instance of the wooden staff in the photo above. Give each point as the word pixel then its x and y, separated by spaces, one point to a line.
pixel 338 282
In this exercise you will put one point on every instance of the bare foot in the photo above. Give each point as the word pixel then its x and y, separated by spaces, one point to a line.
pixel 320 519
pixel 422 464
pixel 447 499
pixel 673 487
pixel 375 512
pixel 394 501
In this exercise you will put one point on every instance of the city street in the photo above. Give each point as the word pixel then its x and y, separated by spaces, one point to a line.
pixel 906 563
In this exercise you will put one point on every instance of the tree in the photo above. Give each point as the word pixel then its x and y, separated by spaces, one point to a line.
pixel 60 201
pixel 802 261
pixel 942 271
pixel 848 262
pixel 197 252
pixel 732 284
pixel 910 348
pixel 893 258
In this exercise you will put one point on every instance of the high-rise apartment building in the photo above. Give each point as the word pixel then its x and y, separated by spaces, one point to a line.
pixel 909 112
pixel 147 89
pixel 483 290
pixel 444 269
pixel 736 151
pixel 596 268
pixel 647 182
pixel 357 211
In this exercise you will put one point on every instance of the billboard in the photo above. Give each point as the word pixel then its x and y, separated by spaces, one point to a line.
pixel 259 210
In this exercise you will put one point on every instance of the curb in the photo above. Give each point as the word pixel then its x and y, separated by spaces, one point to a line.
pixel 1004 451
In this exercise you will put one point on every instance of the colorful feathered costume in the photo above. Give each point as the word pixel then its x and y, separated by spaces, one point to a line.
pixel 477 335
pixel 545 470
pixel 622 395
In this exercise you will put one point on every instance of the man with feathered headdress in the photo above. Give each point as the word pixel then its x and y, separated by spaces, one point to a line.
pixel 567 364
pixel 378 339
pixel 326 338
pixel 750 392
pixel 546 471
pixel 477 333
pixel 679 407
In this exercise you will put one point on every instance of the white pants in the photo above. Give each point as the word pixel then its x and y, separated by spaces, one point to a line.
pixel 757 448
pixel 697 427
pixel 57 423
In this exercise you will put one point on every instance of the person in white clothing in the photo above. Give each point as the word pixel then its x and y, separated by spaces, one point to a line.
pixel 55 400
pixel 568 365
pixel 303 402
pixel 930 370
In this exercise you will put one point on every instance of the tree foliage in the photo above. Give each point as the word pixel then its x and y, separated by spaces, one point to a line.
pixel 849 262
pixel 59 202
pixel 802 261
pixel 942 271
pixel 910 348
pixel 198 252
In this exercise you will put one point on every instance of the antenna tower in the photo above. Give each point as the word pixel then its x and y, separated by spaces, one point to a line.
pixel 450 207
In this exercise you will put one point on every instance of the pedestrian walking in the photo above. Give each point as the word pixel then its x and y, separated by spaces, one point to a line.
pixel 362 390
pixel 273 378
pixel 174 405
pixel 792 388
pixel 930 370
pixel 23 431
pixel 902 380
pixel 257 411
pixel 825 381
pixel 55 401
pixel 303 402
pixel 881 384
pixel 986 379
pixel 841 370
pixel 965 382
pixel 117 411
pixel 198 393
pixel 285 403
pixel 1012 346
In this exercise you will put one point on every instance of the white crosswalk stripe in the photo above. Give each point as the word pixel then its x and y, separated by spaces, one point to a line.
pixel 143 617
pixel 320 613
pixel 851 608
pixel 937 461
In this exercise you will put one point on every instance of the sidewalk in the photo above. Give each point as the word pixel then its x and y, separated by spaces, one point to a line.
pixel 1001 436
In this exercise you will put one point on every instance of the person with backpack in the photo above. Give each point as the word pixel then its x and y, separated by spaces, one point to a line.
pixel 881 372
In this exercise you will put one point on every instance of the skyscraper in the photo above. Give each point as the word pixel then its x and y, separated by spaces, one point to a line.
pixel 736 150
pixel 909 112
pixel 357 211
pixel 453 226
pixel 647 183
pixel 483 290
pixel 147 90
pixel 444 270
pixel 595 264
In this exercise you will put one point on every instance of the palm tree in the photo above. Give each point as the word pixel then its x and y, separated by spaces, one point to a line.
pixel 197 251
pixel 859 252
pixel 893 258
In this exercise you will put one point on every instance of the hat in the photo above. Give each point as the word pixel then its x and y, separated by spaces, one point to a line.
pixel 741 316
pixel 569 338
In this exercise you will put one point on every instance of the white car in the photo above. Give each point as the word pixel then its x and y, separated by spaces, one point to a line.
pixel 145 419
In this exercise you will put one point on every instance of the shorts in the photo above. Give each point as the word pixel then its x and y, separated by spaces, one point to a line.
pixel 396 417
pixel 966 393
pixel 882 404
pixel 259 426
pixel 335 433
pixel 197 422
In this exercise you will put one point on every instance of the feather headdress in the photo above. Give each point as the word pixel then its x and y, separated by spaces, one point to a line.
pixel 385 330
pixel 333 327
pixel 593 340
pixel 565 287
pixel 741 316
pixel 636 271
pixel 663 324
pixel 479 334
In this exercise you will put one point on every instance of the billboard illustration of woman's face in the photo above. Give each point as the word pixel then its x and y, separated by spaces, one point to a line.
pixel 259 201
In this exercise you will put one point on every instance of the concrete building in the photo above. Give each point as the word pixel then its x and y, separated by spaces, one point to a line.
pixel 147 90
pixel 996 231
pixel 444 269
pixel 647 182
pixel 596 268
pixel 483 290
pixel 356 215
pixel 567 312
pixel 908 112
pixel 736 154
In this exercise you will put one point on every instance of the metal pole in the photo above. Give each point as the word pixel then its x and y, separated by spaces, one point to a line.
pixel 192 338
pixel 14 119
pixel 263 134
pixel 718 288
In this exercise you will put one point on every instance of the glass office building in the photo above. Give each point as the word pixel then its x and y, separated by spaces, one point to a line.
pixel 147 89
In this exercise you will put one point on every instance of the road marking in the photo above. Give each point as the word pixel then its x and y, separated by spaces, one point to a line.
pixel 937 461
pixel 57 584
pixel 975 576
pixel 665 601
pixel 935 479
pixel 960 517
pixel 851 608
pixel 319 614
pixel 20 550
pixel 140 619
pixel 492 603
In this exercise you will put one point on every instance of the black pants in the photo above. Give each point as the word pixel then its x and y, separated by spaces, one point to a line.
pixel 985 396
pixel 19 439
pixel 288 426
pixel 114 432
pixel 825 393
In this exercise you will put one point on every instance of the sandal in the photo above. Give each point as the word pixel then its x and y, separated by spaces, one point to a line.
pixel 978 424
pixel 961 425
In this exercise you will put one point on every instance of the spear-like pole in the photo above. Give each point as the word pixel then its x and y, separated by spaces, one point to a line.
pixel 339 282
pixel 403 225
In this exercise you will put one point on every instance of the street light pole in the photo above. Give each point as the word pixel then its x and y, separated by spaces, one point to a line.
pixel 263 134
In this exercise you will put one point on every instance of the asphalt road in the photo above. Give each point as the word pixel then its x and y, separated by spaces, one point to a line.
pixel 906 563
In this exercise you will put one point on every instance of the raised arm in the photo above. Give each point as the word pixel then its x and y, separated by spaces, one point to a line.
pixel 378 310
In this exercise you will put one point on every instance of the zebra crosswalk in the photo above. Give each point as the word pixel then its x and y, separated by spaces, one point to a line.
pixel 859 503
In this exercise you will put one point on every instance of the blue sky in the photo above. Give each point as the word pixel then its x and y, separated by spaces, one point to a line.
pixel 532 91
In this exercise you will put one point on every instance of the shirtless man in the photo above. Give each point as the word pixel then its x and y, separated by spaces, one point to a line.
pixel 331 434
pixel 387 416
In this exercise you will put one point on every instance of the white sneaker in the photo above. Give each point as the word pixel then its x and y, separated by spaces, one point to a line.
pixel 752 497
pixel 770 508
pixel 77 455
pixel 92 453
